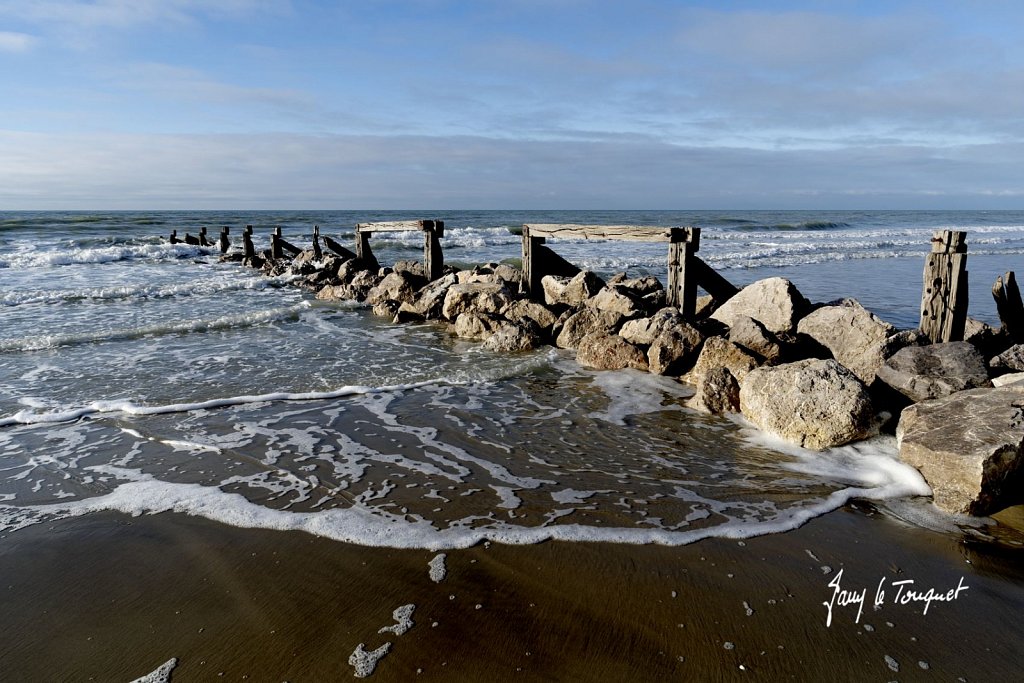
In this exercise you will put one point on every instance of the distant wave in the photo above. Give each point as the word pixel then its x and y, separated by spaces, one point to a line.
pixel 793 227
pixel 76 255
pixel 49 341
pixel 142 291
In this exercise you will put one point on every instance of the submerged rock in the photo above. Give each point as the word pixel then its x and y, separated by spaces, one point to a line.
pixel 969 447
pixel 813 403
pixel 925 372
pixel 774 302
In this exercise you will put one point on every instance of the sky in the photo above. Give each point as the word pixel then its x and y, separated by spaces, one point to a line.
pixel 511 104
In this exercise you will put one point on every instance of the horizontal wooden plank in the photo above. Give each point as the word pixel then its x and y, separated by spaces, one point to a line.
pixel 637 233
pixel 390 226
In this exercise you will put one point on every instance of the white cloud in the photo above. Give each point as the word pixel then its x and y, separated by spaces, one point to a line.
pixel 11 41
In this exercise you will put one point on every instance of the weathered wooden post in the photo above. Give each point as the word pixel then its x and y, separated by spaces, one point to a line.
pixel 275 244
pixel 225 241
pixel 433 257
pixel 532 270
pixel 944 299
pixel 174 237
pixel 249 251
pixel 1009 306
pixel 318 253
pixel 363 251
pixel 338 249
pixel 682 276
pixel 203 241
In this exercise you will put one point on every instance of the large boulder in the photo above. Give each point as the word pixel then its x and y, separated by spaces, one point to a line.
pixel 815 404
pixel 1011 360
pixel 774 302
pixel 513 337
pixel 720 352
pixel 753 336
pixel 609 352
pixel 572 291
pixel 481 297
pixel 969 447
pixel 584 322
pixel 618 299
pixel 397 286
pixel 925 372
pixel 521 310
pixel 673 351
pixel 643 331
pixel 430 299
pixel 855 336
pixel 717 392
pixel 477 324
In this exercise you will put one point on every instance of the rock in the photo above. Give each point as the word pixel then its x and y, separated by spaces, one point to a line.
pixel 480 297
pixel 753 336
pixel 523 309
pixel 673 351
pixel 720 352
pixel 987 339
pixel 412 269
pixel 584 322
pixel 969 447
pixel 617 299
pixel 1004 380
pixel 814 403
pixel 509 274
pixel 604 351
pixel 925 372
pixel 304 262
pixel 640 286
pixel 1011 360
pixel 477 324
pixel 572 291
pixel 717 392
pixel 356 287
pixel 855 336
pixel 706 305
pixel 407 313
pixel 773 302
pixel 513 338
pixel 396 286
pixel 430 299
pixel 386 308
pixel 643 331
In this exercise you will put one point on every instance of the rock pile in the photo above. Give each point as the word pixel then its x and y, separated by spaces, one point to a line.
pixel 816 375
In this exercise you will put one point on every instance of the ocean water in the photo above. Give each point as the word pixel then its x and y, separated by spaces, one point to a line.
pixel 143 377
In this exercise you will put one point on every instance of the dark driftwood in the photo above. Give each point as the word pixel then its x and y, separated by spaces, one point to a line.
pixel 944 295
pixel 1009 306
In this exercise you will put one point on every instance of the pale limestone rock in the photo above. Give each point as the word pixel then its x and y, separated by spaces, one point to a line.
pixel 969 446
pixel 774 302
pixel 513 338
pixel 717 392
pixel 617 299
pixel 643 331
pixel 430 299
pixel 523 309
pixel 720 352
pixel 481 297
pixel 396 286
pixel 673 351
pixel 1011 360
pixel 855 336
pixel 753 336
pixel 925 372
pixel 609 352
pixel 815 404
pixel 584 322
pixel 477 324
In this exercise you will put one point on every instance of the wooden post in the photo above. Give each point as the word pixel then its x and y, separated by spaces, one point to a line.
pixel 433 257
pixel 203 240
pixel 225 241
pixel 338 249
pixel 249 250
pixel 944 296
pixel 1009 306
pixel 318 254
pixel 174 237
pixel 363 251
pixel 275 244
pixel 533 270
pixel 682 278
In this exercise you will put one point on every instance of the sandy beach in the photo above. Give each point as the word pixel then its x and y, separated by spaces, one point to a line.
pixel 110 598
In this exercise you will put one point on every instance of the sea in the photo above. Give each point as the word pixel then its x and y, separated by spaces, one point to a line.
pixel 140 377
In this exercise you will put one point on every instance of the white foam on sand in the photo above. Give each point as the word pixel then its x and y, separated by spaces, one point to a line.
pixel 365 662
pixel 438 571
pixel 403 620
pixel 161 675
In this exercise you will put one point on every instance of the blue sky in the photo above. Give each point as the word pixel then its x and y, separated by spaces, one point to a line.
pixel 510 104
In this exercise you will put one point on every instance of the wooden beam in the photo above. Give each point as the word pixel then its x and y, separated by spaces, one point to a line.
pixel 396 226
pixel 639 233
pixel 338 248
pixel 712 282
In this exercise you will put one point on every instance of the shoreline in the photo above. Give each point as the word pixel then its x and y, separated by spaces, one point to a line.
pixel 108 597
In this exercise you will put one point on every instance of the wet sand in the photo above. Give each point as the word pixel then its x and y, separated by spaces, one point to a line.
pixel 110 598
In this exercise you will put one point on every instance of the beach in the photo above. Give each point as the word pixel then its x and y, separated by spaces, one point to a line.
pixel 205 464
